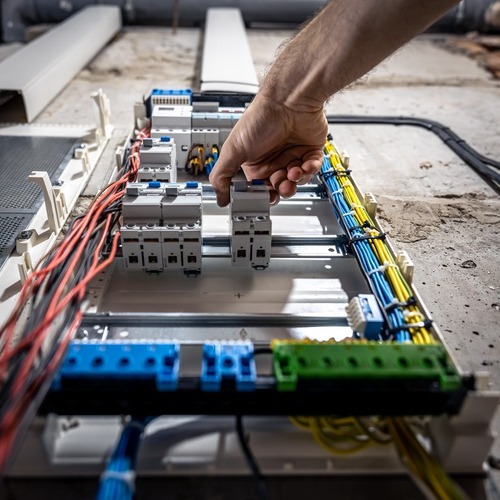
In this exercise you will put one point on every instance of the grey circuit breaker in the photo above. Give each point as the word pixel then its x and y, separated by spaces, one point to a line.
pixel 250 224
pixel 158 160
pixel 161 228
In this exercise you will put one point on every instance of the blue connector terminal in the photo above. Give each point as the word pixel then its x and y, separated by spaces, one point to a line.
pixel 191 185
pixel 154 184
pixel 121 361
pixel 228 362
pixel 364 316
pixel 173 92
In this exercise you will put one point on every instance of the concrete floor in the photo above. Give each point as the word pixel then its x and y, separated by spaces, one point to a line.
pixel 433 205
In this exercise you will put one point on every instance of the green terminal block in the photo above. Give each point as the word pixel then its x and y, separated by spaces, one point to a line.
pixel 298 362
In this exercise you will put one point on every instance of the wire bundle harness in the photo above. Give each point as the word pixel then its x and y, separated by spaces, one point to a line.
pixel 349 435
pixel 405 321
pixel 50 305
pixel 118 479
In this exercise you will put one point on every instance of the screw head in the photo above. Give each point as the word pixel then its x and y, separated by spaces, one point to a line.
pixel 24 235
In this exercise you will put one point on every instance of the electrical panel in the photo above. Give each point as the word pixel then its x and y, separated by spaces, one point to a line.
pixel 303 308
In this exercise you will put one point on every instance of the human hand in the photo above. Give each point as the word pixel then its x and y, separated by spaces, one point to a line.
pixel 274 142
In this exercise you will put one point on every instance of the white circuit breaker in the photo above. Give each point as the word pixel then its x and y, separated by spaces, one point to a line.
pixel 161 229
pixel 250 224
pixel 202 123
pixel 158 160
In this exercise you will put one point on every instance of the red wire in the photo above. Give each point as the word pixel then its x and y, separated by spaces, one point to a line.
pixel 73 245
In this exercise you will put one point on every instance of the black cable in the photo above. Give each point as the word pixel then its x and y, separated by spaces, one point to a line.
pixel 260 485
pixel 484 166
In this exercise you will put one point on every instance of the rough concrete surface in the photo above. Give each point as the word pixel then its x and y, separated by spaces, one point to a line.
pixel 432 204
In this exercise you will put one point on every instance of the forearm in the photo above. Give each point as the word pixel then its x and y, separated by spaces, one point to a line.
pixel 345 41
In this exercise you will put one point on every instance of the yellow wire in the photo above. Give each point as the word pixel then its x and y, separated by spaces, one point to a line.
pixel 420 463
pixel 402 291
pixel 341 436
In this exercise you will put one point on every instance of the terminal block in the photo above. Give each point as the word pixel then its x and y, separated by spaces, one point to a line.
pixel 158 160
pixel 231 363
pixel 112 363
pixel 161 227
pixel 364 316
pixel 250 224
pixel 166 97
pixel 325 365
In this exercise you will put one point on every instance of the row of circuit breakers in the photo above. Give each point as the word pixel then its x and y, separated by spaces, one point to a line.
pixel 162 219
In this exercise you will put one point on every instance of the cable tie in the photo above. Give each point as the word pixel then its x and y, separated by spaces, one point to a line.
pixel 427 323
pixel 382 268
pixel 352 212
pixel 355 238
pixel 127 477
pixel 412 314
pixel 327 174
pixel 365 225
pixel 395 303
pixel 343 173
pixel 331 172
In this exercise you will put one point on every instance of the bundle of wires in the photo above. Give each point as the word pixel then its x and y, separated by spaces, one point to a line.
pixel 117 481
pixel 212 159
pixel 347 435
pixel 34 339
pixel 424 468
pixel 405 321
pixel 197 162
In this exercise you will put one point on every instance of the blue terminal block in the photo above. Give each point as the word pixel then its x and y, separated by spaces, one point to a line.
pixel 228 362
pixel 373 316
pixel 121 361
pixel 172 93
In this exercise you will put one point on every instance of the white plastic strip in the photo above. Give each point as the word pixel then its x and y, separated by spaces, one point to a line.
pixel 227 64
pixel 35 74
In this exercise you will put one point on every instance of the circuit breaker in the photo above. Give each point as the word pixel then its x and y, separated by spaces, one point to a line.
pixel 161 228
pixel 250 224
pixel 158 160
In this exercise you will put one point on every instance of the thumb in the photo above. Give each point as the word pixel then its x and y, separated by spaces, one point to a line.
pixel 225 169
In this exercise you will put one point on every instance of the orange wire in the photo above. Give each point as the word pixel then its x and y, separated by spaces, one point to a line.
pixel 75 242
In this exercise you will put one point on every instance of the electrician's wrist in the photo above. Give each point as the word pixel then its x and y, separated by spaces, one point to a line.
pixel 292 100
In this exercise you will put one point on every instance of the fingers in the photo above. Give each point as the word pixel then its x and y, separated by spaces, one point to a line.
pixel 301 173
pixel 282 185
pixel 224 170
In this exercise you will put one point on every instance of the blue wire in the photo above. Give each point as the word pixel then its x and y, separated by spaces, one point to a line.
pixel 366 256
pixel 122 462
pixel 210 165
